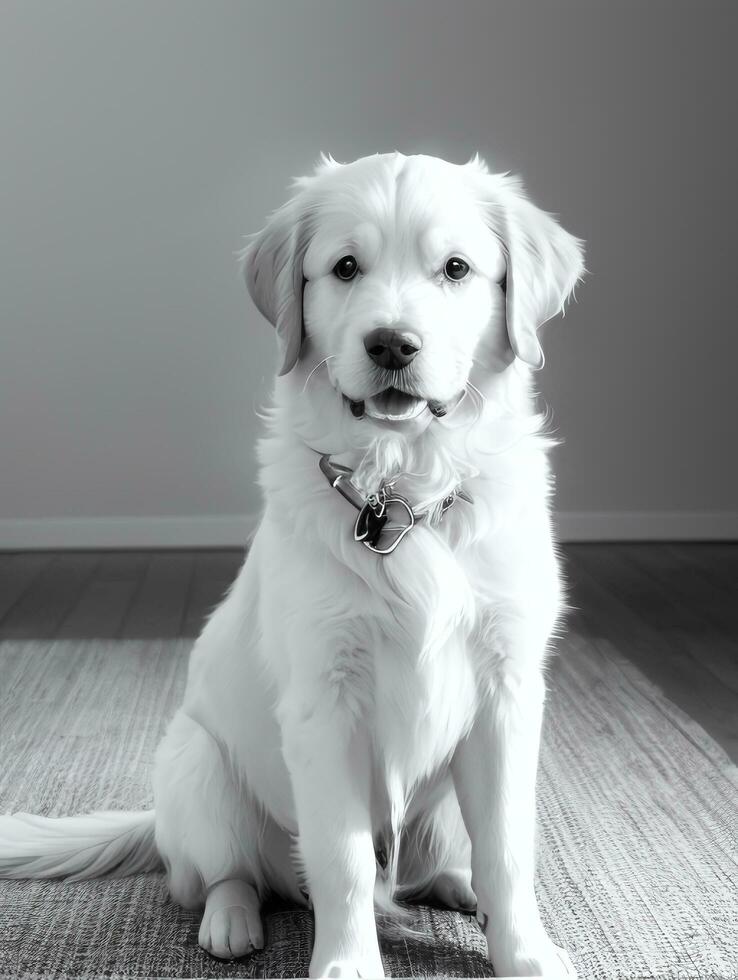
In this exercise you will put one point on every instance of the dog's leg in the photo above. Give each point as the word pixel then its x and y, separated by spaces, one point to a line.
pixel 207 832
pixel 328 758
pixel 495 774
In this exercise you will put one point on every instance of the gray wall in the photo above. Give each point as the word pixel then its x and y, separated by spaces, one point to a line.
pixel 141 140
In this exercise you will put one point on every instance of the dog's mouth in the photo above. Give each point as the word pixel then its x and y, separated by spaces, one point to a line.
pixel 393 405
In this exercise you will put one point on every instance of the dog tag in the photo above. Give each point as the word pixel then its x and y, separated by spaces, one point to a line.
pixel 386 517
pixel 369 525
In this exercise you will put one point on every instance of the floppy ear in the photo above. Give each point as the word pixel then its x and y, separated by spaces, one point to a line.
pixel 544 263
pixel 272 267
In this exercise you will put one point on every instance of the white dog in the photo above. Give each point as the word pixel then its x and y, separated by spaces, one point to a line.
pixel 363 711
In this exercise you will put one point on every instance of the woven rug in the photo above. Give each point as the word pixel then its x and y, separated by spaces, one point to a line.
pixel 637 855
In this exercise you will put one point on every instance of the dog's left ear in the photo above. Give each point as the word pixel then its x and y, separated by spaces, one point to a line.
pixel 272 267
pixel 544 264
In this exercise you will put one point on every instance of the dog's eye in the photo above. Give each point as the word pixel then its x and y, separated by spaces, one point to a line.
pixel 456 269
pixel 346 268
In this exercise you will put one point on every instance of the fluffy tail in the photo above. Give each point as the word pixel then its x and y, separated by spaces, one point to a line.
pixel 109 842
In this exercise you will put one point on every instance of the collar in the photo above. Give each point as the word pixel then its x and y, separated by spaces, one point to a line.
pixel 385 516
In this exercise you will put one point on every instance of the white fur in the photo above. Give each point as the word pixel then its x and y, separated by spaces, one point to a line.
pixel 339 702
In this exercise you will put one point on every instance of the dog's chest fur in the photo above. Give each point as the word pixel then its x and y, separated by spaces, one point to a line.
pixel 424 703
pixel 398 634
pixel 400 648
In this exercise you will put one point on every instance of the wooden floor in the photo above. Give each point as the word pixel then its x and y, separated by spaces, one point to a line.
pixel 671 609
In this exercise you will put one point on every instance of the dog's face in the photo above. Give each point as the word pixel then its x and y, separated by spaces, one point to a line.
pixel 403 273
pixel 402 277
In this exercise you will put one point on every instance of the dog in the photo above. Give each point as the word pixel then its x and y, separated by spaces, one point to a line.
pixel 362 714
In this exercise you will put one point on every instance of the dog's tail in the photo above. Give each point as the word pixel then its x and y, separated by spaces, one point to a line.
pixel 109 842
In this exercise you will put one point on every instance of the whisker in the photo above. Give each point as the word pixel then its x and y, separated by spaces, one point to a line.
pixel 318 365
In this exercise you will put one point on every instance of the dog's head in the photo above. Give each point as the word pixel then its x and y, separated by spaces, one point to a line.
pixel 401 273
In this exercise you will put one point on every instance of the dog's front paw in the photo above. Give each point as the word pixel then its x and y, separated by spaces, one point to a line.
pixel 538 957
pixel 342 968
pixel 351 969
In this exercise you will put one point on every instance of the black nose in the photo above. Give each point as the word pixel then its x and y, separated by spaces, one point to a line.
pixel 392 349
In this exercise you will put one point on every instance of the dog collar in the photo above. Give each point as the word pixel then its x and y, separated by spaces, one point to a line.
pixel 385 513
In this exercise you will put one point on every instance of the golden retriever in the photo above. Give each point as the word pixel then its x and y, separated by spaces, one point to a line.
pixel 362 716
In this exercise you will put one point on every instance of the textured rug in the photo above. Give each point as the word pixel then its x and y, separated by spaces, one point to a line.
pixel 637 864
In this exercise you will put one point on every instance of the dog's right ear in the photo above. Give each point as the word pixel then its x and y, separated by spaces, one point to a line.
pixel 272 267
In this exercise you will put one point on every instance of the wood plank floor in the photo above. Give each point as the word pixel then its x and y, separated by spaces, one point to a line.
pixel 672 609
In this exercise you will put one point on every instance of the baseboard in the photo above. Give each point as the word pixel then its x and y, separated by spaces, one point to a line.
pixel 201 531
pixel 234 530
pixel 647 525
